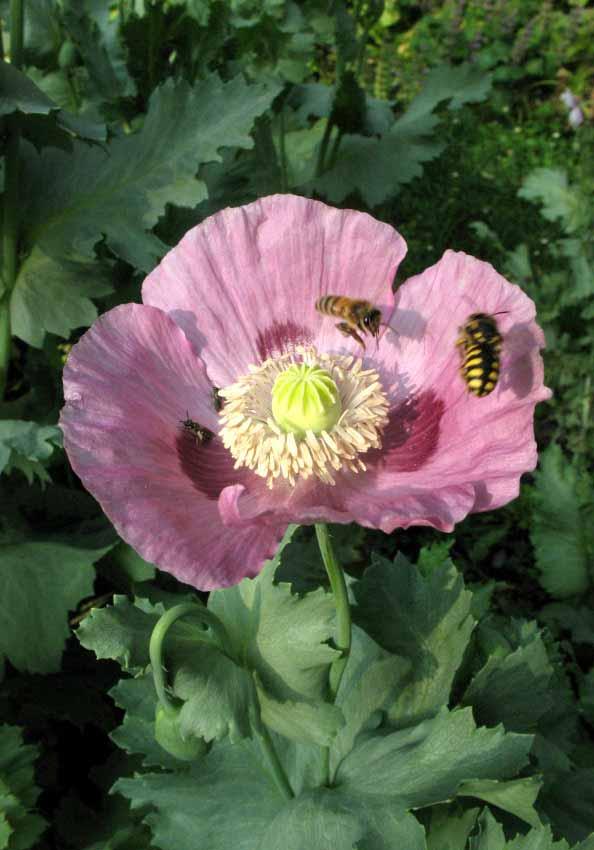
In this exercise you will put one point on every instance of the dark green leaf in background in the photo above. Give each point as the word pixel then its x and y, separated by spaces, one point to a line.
pixel 40 582
pixel 376 168
pixel 20 96
pixel 515 688
pixel 27 446
pixel 95 36
pixel 20 825
pixel 560 201
pixel 562 540
pixel 121 192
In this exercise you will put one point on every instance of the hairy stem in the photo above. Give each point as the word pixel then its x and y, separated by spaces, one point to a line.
pixel 343 622
pixel 158 634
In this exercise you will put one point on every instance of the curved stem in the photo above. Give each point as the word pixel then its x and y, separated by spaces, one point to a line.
pixel 158 634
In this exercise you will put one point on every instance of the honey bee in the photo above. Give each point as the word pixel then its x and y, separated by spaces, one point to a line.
pixel 480 343
pixel 202 435
pixel 356 315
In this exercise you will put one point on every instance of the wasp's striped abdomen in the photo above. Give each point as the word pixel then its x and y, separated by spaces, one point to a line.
pixel 481 343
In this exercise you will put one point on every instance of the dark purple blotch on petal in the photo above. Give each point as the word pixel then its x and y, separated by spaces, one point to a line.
pixel 411 436
pixel 208 465
pixel 280 337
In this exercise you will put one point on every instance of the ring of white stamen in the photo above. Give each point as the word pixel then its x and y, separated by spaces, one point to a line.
pixel 256 441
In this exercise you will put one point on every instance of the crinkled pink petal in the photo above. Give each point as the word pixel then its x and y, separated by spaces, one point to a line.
pixel 244 283
pixel 128 384
pixel 486 442
pixel 445 452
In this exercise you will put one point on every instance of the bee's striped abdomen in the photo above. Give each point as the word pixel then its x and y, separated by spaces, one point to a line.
pixel 331 305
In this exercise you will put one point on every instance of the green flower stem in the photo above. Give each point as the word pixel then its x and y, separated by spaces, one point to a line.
pixel 270 754
pixel 343 624
pixel 10 212
pixel 343 610
pixel 164 623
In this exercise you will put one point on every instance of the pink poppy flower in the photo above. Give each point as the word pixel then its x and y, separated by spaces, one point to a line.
pixel 206 493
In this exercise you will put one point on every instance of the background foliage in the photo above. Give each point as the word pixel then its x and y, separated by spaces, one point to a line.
pixel 134 121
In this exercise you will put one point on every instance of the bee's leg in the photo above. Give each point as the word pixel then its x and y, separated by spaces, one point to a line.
pixel 347 330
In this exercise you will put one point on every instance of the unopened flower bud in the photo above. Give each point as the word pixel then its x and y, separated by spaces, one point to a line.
pixel 168 735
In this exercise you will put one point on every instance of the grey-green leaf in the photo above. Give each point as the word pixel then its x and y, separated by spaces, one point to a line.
pixel 427 763
pixel 426 620
pixel 282 637
pixel 516 796
pixel 225 800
